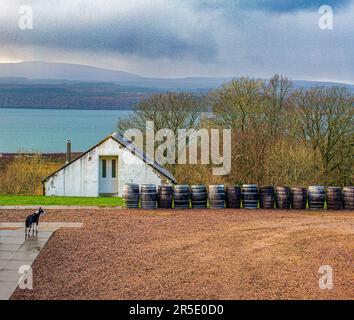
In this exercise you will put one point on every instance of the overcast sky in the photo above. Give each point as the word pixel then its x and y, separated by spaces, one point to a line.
pixel 170 38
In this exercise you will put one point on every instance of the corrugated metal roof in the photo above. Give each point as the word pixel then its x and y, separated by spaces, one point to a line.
pixel 130 146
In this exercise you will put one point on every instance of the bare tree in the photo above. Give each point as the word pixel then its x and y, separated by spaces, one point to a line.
pixel 237 103
pixel 326 124
pixel 276 94
pixel 171 111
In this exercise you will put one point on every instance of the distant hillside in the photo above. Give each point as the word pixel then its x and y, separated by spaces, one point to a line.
pixel 76 95
pixel 71 86
pixel 67 71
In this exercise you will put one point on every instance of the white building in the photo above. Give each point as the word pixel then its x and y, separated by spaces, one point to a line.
pixel 104 169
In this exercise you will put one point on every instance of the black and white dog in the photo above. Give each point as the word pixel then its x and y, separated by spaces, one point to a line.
pixel 32 222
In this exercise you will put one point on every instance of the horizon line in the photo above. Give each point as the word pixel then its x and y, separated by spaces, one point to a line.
pixel 170 78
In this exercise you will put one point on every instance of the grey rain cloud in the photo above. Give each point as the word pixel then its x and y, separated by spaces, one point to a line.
pixel 271 5
pixel 141 33
pixel 187 37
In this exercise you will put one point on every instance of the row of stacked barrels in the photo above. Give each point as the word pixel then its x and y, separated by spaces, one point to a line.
pixel 249 196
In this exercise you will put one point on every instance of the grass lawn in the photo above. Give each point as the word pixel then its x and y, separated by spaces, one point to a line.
pixel 15 200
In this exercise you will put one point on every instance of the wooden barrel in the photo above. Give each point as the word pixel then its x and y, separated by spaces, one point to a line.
pixel 181 195
pixel 266 197
pixel 199 196
pixel 148 196
pixel 334 198
pixel 164 197
pixel 348 198
pixel 250 196
pixel 282 197
pixel 298 198
pixel 131 195
pixel 217 196
pixel 233 197
pixel 317 197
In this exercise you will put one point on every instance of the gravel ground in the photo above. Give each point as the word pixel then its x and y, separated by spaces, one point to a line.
pixel 193 254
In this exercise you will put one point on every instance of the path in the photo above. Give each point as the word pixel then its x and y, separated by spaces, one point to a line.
pixel 16 251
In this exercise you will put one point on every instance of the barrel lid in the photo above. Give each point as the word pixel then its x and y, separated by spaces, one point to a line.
pixel 147 185
pixel 267 188
pixel 316 187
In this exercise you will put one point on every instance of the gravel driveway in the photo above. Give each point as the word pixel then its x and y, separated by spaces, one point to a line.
pixel 193 254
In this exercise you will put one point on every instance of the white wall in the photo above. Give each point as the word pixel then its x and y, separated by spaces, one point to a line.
pixel 81 177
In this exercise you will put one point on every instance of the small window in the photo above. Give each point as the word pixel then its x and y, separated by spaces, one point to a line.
pixel 104 169
pixel 114 168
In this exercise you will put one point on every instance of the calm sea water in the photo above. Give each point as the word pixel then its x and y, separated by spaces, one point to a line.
pixel 44 130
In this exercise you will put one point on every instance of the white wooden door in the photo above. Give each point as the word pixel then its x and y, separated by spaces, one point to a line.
pixel 108 181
